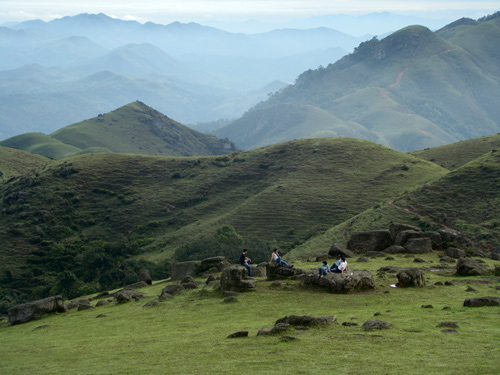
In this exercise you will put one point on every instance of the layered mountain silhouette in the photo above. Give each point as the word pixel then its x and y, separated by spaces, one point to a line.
pixel 411 90
pixel 134 128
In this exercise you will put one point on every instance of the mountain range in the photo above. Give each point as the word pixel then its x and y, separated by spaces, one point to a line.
pixel 56 73
pixel 412 90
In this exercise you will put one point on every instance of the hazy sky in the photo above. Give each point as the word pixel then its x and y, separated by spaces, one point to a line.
pixel 203 11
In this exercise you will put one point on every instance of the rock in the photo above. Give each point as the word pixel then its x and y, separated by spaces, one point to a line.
pixel 306 320
pixel 173 289
pixel 427 306
pixel 395 249
pixel 412 277
pixel 279 328
pixel 101 295
pixel 360 281
pixel 419 260
pixel 447 259
pixel 395 229
pixel 363 259
pixel 85 307
pixel 230 299
pixel 322 257
pixel 275 284
pixel 33 310
pixel 470 267
pixel 275 271
pixel 183 269
pixel 482 301
pixel 210 279
pixel 470 289
pixel 374 254
pixel 418 245
pixel 376 240
pixel 349 324
pixel 238 334
pixel 264 331
pixel 102 302
pixel 144 276
pixel 219 262
pixel 437 241
pixel 447 324
pixel 234 278
pixel 122 298
pixel 260 270
pixel 165 296
pixel 288 338
pixel 371 325
pixel 455 253
pixel 404 236
pixel 454 238
pixel 336 251
pixel 137 285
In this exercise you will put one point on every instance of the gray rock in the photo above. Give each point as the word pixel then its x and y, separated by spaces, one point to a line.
pixel 102 302
pixel 376 240
pixel 455 253
pixel 363 259
pixel 234 278
pixel 395 249
pixel 33 310
pixel 230 299
pixel 219 262
pixel 418 245
pixel 238 334
pixel 371 325
pixel 447 325
pixel 359 281
pixel 470 267
pixel 396 228
pixel 145 276
pixel 306 320
pixel 183 269
pixel 173 289
pixel 275 271
pixel 482 301
pixel 404 236
pixel 336 251
pixel 412 277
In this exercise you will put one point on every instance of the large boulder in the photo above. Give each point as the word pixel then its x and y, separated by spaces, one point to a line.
pixel 470 267
pixel 33 310
pixel 405 235
pixel 220 263
pixel 454 238
pixel 395 229
pixel 418 245
pixel 182 269
pixel 336 251
pixel 482 301
pixel 412 277
pixel 173 289
pixel 275 271
pixel 356 281
pixel 235 279
pixel 145 276
pixel 453 252
pixel 375 240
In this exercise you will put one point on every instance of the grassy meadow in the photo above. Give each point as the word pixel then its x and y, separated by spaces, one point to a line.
pixel 188 334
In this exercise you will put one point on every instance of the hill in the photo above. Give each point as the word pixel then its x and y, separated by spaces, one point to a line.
pixel 411 90
pixel 134 128
pixel 101 217
pixel 15 163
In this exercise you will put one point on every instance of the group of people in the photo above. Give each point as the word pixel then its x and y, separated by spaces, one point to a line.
pixel 275 257
pixel 340 267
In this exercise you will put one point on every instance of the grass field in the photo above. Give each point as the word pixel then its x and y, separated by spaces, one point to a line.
pixel 188 334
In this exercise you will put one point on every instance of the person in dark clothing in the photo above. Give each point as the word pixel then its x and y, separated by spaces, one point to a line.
pixel 244 260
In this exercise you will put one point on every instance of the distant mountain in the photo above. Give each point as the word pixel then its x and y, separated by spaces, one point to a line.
pixel 191 72
pixel 411 90
pixel 134 128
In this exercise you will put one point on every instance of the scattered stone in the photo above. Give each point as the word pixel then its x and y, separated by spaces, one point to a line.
pixel 412 277
pixel 100 316
pixel 122 298
pixel 427 306
pixel 85 307
pixel 362 259
pixel 102 302
pixel 389 258
pixel 470 289
pixel 447 308
pixel 288 338
pixel 438 283
pixel 279 328
pixel 419 260
pixel 152 304
pixel 275 284
pixel 173 289
pixel 264 331
pixel 371 325
pixel 356 281
pixel 101 295
pixel 449 283
pixel 470 267
pixel 238 334
pixel 234 278
pixel 482 301
pixel 377 314
pixel 307 320
pixel 165 296
pixel 350 324
pixel 33 310
pixel 447 259
pixel 447 324
pixel 230 299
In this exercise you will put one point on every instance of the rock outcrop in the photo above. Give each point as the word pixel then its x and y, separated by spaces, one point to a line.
pixel 412 277
pixel 33 310
pixel 235 279
pixel 359 281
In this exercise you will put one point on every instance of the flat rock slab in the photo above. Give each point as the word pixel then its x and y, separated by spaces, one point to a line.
pixel 356 281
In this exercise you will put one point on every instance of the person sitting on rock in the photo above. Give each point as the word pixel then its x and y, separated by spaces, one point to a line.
pixel 277 258
pixel 324 269
pixel 244 260
pixel 341 266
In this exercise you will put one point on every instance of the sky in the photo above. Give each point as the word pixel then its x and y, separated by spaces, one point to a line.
pixel 210 11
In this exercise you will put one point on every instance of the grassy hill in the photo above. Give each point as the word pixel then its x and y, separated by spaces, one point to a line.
pixel 188 334
pixel 134 128
pixel 467 199
pixel 411 90
pixel 102 217
pixel 15 163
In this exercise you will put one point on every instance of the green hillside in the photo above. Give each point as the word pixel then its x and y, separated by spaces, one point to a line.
pixel 103 216
pixel 412 90
pixel 455 155
pixel 14 163
pixel 134 128
pixel 467 199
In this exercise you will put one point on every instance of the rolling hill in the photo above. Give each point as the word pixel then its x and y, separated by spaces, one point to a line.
pixel 103 216
pixel 411 90
pixel 134 128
